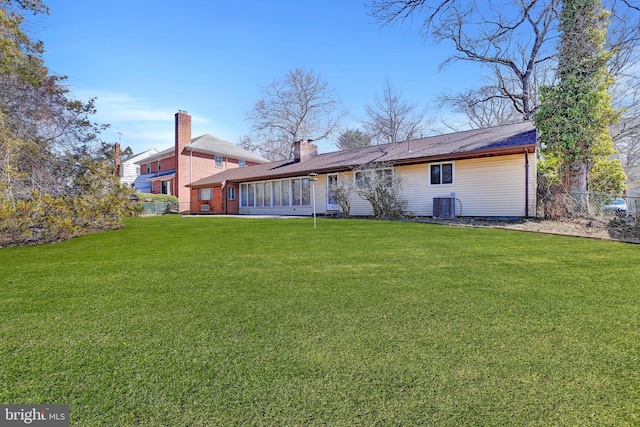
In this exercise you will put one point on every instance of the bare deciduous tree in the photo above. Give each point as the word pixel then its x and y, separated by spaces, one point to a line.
pixel 302 106
pixel 394 119
pixel 514 41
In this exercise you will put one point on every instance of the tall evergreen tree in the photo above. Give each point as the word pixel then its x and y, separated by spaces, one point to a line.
pixel 575 114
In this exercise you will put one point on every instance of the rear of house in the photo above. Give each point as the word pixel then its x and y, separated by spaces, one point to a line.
pixel 481 173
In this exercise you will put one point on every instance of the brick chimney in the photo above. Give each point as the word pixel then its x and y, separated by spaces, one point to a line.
pixel 183 130
pixel 182 138
pixel 304 150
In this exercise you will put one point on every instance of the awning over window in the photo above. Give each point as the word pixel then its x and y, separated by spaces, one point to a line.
pixel 162 176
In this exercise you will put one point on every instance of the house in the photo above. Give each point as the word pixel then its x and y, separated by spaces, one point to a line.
pixel 482 173
pixel 170 170
pixel 129 170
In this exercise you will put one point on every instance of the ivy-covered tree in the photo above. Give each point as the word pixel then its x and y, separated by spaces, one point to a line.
pixel 575 114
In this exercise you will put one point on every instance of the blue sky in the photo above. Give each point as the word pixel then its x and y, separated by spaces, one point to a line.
pixel 145 60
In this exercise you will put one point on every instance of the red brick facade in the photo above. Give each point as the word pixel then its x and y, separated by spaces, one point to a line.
pixel 189 166
pixel 220 203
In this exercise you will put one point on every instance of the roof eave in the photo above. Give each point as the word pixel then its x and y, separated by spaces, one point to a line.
pixel 492 152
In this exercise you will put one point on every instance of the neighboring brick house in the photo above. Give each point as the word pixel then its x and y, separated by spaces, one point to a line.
pixel 484 172
pixel 189 160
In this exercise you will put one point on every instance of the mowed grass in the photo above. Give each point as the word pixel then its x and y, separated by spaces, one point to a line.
pixel 224 321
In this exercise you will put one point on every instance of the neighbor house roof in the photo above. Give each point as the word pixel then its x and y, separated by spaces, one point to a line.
pixel 141 156
pixel 210 145
pixel 499 140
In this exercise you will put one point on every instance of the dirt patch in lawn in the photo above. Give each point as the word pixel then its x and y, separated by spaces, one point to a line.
pixel 589 228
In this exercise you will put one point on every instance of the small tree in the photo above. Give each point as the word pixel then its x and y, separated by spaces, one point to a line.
pixel 382 188
pixel 342 192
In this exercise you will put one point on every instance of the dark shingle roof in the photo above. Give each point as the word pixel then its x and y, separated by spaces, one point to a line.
pixel 472 143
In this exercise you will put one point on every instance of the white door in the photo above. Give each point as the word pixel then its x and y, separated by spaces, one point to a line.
pixel 332 182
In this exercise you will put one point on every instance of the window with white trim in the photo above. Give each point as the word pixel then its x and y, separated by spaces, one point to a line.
pixel 365 177
pixel 159 165
pixel 204 194
pixel 441 174
pixel 242 163
pixel 286 192
pixel 218 161
pixel 231 193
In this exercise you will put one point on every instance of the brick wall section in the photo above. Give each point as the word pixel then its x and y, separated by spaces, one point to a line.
pixel 220 203
pixel 233 206
pixel 183 137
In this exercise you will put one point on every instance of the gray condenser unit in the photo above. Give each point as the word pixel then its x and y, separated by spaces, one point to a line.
pixel 444 207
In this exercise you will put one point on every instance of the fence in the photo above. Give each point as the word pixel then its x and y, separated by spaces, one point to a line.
pixel 559 204
pixel 156 208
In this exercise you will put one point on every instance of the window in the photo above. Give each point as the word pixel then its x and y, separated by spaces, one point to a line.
pixel 137 170
pixel 231 193
pixel 276 193
pixel 267 194
pixel 244 194
pixel 441 174
pixel 295 193
pixel 306 192
pixel 260 194
pixel 159 164
pixel 381 177
pixel 284 194
pixel 252 195
pixel 218 160
pixel 287 192
pixel 204 194
pixel 148 167
pixel 242 163
pixel 166 187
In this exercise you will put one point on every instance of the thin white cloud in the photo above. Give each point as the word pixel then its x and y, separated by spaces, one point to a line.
pixel 135 121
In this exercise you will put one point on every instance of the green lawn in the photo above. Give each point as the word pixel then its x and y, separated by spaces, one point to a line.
pixel 223 321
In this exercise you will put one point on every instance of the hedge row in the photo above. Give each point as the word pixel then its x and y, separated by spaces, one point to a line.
pixel 46 219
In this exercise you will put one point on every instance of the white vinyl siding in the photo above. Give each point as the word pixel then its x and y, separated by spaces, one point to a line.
pixel 490 186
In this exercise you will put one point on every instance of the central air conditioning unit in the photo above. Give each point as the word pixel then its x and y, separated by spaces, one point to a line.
pixel 444 207
pixel 204 208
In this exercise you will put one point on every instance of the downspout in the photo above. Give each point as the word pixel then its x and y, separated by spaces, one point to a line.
pixel 526 182
pixel 191 166
pixel 224 197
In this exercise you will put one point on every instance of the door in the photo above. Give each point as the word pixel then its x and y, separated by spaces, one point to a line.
pixel 332 182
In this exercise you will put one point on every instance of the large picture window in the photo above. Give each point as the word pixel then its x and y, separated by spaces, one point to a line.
pixel 441 174
pixel 286 192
